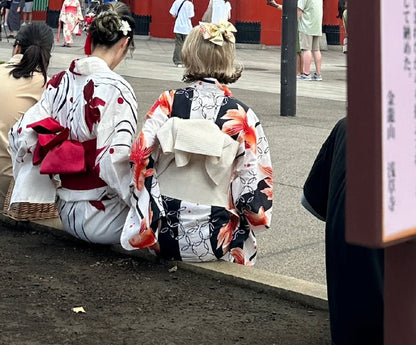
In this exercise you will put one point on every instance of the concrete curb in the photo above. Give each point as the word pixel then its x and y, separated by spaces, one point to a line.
pixel 310 294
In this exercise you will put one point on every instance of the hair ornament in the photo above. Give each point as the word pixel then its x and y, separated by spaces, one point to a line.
pixel 124 27
pixel 216 33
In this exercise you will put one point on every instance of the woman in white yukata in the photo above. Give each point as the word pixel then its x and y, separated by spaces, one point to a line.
pixel 202 168
pixel 82 130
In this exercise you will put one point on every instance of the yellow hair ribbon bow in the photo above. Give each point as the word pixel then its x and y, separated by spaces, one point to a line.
pixel 216 33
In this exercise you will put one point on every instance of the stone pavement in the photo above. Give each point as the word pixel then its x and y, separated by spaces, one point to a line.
pixel 291 253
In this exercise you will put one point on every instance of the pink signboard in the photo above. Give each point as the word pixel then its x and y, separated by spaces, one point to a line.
pixel 398 94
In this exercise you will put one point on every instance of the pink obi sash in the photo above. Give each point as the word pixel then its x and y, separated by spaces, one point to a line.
pixel 72 160
pixel 71 9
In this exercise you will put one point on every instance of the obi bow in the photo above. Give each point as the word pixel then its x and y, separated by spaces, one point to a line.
pixel 54 152
pixel 180 139
pixel 216 33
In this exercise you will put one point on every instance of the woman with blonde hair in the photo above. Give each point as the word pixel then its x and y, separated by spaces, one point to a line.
pixel 82 130
pixel 202 169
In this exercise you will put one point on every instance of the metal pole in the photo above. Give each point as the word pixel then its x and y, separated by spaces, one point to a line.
pixel 288 59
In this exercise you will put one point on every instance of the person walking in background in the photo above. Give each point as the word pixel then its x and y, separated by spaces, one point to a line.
pixel 217 10
pixel 27 12
pixel 221 9
pixel 310 14
pixel 202 168
pixel 22 82
pixel 355 274
pixel 91 113
pixel 342 13
pixel 13 19
pixel 182 11
pixel 5 9
pixel 70 16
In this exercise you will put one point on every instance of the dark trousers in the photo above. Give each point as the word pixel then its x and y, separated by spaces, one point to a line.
pixel 179 39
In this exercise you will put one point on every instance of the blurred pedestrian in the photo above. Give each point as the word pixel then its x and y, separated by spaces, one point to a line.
pixel 310 13
pixel 22 82
pixel 13 19
pixel 221 9
pixel 90 113
pixel 202 168
pixel 182 11
pixel 70 16
pixel 27 12
pixel 355 274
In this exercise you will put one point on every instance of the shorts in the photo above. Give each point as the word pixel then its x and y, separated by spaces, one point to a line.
pixel 28 7
pixel 308 42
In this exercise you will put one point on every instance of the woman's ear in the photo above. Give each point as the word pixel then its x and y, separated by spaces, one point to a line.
pixel 125 42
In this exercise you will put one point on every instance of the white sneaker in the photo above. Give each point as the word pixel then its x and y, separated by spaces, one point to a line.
pixel 23 24
pixel 317 77
pixel 179 65
pixel 304 76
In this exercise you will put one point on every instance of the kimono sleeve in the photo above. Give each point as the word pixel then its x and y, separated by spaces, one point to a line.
pixel 147 207
pixel 115 135
pixel 252 186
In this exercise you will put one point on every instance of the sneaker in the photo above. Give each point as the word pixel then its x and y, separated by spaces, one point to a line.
pixel 317 77
pixel 304 76
pixel 23 24
pixel 179 65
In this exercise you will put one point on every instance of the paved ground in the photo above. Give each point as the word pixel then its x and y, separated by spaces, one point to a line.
pixel 294 246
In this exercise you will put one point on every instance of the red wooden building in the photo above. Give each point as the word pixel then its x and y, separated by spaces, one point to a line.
pixel 256 22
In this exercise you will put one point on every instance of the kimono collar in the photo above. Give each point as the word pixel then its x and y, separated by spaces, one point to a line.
pixel 89 65
pixel 213 81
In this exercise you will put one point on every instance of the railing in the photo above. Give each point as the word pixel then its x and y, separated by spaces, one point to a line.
pixel 40 5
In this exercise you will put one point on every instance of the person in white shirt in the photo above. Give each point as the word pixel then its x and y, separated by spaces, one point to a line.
pixel 182 11
pixel 220 10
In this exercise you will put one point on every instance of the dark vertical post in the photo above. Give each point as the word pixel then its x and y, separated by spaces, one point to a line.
pixel 364 216
pixel 288 59
pixel 399 294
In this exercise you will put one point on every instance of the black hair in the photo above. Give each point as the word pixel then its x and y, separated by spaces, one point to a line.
pixel 341 8
pixel 35 41
pixel 105 28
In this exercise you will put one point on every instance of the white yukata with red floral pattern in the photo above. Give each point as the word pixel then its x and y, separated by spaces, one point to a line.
pixel 81 132
pixel 192 231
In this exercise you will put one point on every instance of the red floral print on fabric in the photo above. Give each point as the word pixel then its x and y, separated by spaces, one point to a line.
pixel 226 233
pixel 268 171
pixel 164 102
pixel 98 205
pixel 55 80
pixel 92 112
pixel 238 255
pixel 257 219
pixel 225 89
pixel 238 124
pixel 140 157
pixel 145 237
pixel 72 67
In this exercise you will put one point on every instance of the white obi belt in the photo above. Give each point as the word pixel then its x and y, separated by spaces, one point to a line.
pixel 196 161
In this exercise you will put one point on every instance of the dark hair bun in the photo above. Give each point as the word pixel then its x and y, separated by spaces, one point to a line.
pixel 107 25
